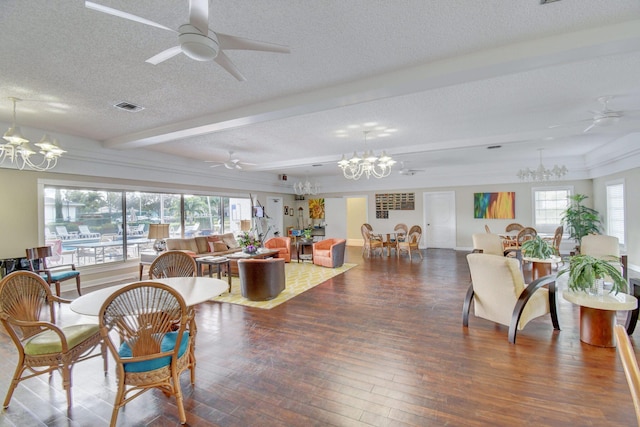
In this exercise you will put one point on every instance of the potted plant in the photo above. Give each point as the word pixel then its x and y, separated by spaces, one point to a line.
pixel 580 220
pixel 248 242
pixel 587 273
pixel 306 233
pixel 537 248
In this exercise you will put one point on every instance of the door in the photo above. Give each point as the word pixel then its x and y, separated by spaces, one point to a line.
pixel 335 215
pixel 275 217
pixel 439 220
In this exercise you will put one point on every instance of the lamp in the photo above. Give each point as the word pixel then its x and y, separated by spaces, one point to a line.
pixel 159 232
pixel 304 188
pixel 17 149
pixel 368 165
pixel 542 174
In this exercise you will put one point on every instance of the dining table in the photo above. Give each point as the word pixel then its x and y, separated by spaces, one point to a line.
pixel 194 290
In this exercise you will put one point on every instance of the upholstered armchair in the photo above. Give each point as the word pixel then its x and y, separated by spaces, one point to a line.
pixel 282 245
pixel 498 294
pixel 604 247
pixel 491 244
pixel 261 279
pixel 329 252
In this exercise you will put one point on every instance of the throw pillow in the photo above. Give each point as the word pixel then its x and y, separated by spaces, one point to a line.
pixel 230 240
pixel 218 247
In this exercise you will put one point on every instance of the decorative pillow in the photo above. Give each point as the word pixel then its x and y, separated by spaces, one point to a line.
pixel 230 240
pixel 214 238
pixel 218 247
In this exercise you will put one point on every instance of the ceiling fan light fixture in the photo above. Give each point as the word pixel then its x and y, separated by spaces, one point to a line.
pixel 196 45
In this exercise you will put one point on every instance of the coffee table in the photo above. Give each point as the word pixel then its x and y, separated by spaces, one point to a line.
pixel 233 258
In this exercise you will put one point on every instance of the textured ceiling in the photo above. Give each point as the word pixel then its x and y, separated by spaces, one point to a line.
pixel 453 78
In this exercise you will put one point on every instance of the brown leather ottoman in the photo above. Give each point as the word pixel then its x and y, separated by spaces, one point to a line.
pixel 261 279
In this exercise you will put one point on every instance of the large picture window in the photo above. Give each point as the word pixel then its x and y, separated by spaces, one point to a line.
pixel 548 206
pixel 99 226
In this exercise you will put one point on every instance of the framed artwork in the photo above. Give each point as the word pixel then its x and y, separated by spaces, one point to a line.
pixel 316 208
pixel 286 210
pixel 500 205
pixel 290 211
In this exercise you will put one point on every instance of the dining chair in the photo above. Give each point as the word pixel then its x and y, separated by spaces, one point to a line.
pixel 499 294
pixel 487 229
pixel 173 264
pixel 412 242
pixel 555 242
pixel 38 263
pixel 28 316
pixel 146 328
pixel 514 226
pixel 372 242
pixel 630 366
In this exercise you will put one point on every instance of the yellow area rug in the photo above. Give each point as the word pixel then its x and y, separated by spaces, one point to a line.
pixel 299 277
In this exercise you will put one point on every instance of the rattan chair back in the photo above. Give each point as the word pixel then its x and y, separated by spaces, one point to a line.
pixel 514 226
pixel 141 315
pixel 173 264
pixel 28 316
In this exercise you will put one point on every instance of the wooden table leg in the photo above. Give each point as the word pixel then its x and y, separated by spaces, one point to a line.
pixel 596 326
pixel 540 269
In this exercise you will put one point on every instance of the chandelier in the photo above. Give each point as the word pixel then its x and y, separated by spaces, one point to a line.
pixel 305 188
pixel 18 151
pixel 368 165
pixel 542 174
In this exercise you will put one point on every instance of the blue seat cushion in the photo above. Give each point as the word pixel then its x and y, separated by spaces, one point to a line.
pixel 62 275
pixel 168 343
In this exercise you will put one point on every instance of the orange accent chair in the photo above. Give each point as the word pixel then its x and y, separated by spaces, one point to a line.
pixel 282 244
pixel 329 252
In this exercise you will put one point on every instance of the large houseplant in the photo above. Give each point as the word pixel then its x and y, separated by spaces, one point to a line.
pixel 580 219
pixel 584 270
pixel 537 248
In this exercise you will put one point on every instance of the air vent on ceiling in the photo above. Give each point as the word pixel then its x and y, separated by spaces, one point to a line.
pixel 127 106
pixel 548 1
pixel 494 147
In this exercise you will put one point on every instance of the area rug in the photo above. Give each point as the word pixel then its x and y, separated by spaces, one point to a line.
pixel 299 278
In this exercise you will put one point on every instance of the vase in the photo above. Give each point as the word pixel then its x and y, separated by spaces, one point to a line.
pixel 597 288
pixel 250 251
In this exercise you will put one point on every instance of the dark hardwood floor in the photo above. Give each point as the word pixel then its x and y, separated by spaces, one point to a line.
pixel 381 345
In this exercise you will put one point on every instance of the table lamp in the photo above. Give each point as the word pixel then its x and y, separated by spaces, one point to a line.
pixel 159 232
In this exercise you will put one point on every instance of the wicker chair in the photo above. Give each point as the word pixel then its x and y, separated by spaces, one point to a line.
pixel 151 344
pixel 514 226
pixel 173 264
pixel 27 314
pixel 371 242
pixel 53 276
pixel 412 242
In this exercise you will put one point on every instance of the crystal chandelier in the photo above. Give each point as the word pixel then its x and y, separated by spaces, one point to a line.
pixel 18 151
pixel 368 165
pixel 542 174
pixel 305 188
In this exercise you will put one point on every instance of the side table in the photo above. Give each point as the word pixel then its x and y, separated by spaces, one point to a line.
pixel 147 258
pixel 218 262
pixel 300 245
pixel 541 267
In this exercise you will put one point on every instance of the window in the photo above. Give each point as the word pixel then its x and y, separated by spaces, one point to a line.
pixel 615 210
pixel 548 206
pixel 99 226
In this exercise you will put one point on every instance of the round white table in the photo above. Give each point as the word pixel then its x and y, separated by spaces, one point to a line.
pixel 542 267
pixel 598 314
pixel 194 290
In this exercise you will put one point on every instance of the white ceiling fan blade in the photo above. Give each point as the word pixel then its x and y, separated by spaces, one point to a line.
pixel 215 166
pixel 591 126
pixel 164 55
pixel 125 15
pixel 238 43
pixel 199 15
pixel 224 61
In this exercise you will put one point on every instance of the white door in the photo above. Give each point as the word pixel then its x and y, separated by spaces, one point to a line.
pixel 335 215
pixel 439 220
pixel 275 217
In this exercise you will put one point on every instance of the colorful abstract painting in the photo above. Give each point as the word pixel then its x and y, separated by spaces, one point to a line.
pixel 500 205
pixel 316 208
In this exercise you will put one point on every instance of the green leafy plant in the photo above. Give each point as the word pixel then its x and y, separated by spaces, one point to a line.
pixel 537 248
pixel 307 233
pixel 580 220
pixel 248 241
pixel 584 270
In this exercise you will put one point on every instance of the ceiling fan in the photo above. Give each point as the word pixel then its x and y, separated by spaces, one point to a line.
pixel 604 117
pixel 195 38
pixel 231 163
pixel 407 171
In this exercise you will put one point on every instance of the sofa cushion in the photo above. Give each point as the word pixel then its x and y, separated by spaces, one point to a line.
pixel 202 243
pixel 188 244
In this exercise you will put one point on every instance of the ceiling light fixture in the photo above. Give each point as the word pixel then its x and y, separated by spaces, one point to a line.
pixel 542 174
pixel 305 188
pixel 368 165
pixel 18 151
